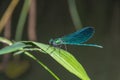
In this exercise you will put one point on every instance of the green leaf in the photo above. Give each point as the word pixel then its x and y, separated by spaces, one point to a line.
pixel 14 47
pixel 66 59
pixel 6 41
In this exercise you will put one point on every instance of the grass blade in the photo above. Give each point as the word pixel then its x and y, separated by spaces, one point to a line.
pixel 66 59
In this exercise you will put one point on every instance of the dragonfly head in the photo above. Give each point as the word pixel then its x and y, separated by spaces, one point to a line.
pixel 55 42
pixel 51 41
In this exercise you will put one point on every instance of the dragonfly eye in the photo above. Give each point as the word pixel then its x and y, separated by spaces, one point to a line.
pixel 51 41
pixel 58 41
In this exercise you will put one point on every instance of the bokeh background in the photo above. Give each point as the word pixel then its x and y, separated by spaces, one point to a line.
pixel 54 18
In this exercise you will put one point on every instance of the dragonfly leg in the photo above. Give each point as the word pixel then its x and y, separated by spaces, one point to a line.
pixel 53 48
pixel 65 47
pixel 58 46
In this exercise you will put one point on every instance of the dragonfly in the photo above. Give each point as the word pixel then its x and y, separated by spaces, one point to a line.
pixel 76 38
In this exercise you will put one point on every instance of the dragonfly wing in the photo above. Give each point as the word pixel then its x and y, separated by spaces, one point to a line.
pixel 79 36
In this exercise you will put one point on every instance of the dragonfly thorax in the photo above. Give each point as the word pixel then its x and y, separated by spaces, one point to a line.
pixel 55 42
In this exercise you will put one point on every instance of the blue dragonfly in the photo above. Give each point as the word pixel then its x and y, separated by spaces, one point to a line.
pixel 76 38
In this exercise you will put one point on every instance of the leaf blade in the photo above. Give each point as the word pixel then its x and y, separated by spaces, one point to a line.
pixel 14 47
pixel 66 59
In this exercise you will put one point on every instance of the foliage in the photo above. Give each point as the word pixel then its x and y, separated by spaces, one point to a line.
pixel 66 59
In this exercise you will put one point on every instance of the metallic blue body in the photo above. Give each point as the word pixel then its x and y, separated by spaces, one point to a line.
pixel 76 38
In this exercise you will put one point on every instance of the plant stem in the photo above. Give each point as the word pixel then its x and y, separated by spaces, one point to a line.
pixel 22 20
pixel 8 13
pixel 74 14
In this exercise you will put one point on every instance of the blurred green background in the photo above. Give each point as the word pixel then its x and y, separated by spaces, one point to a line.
pixel 54 20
